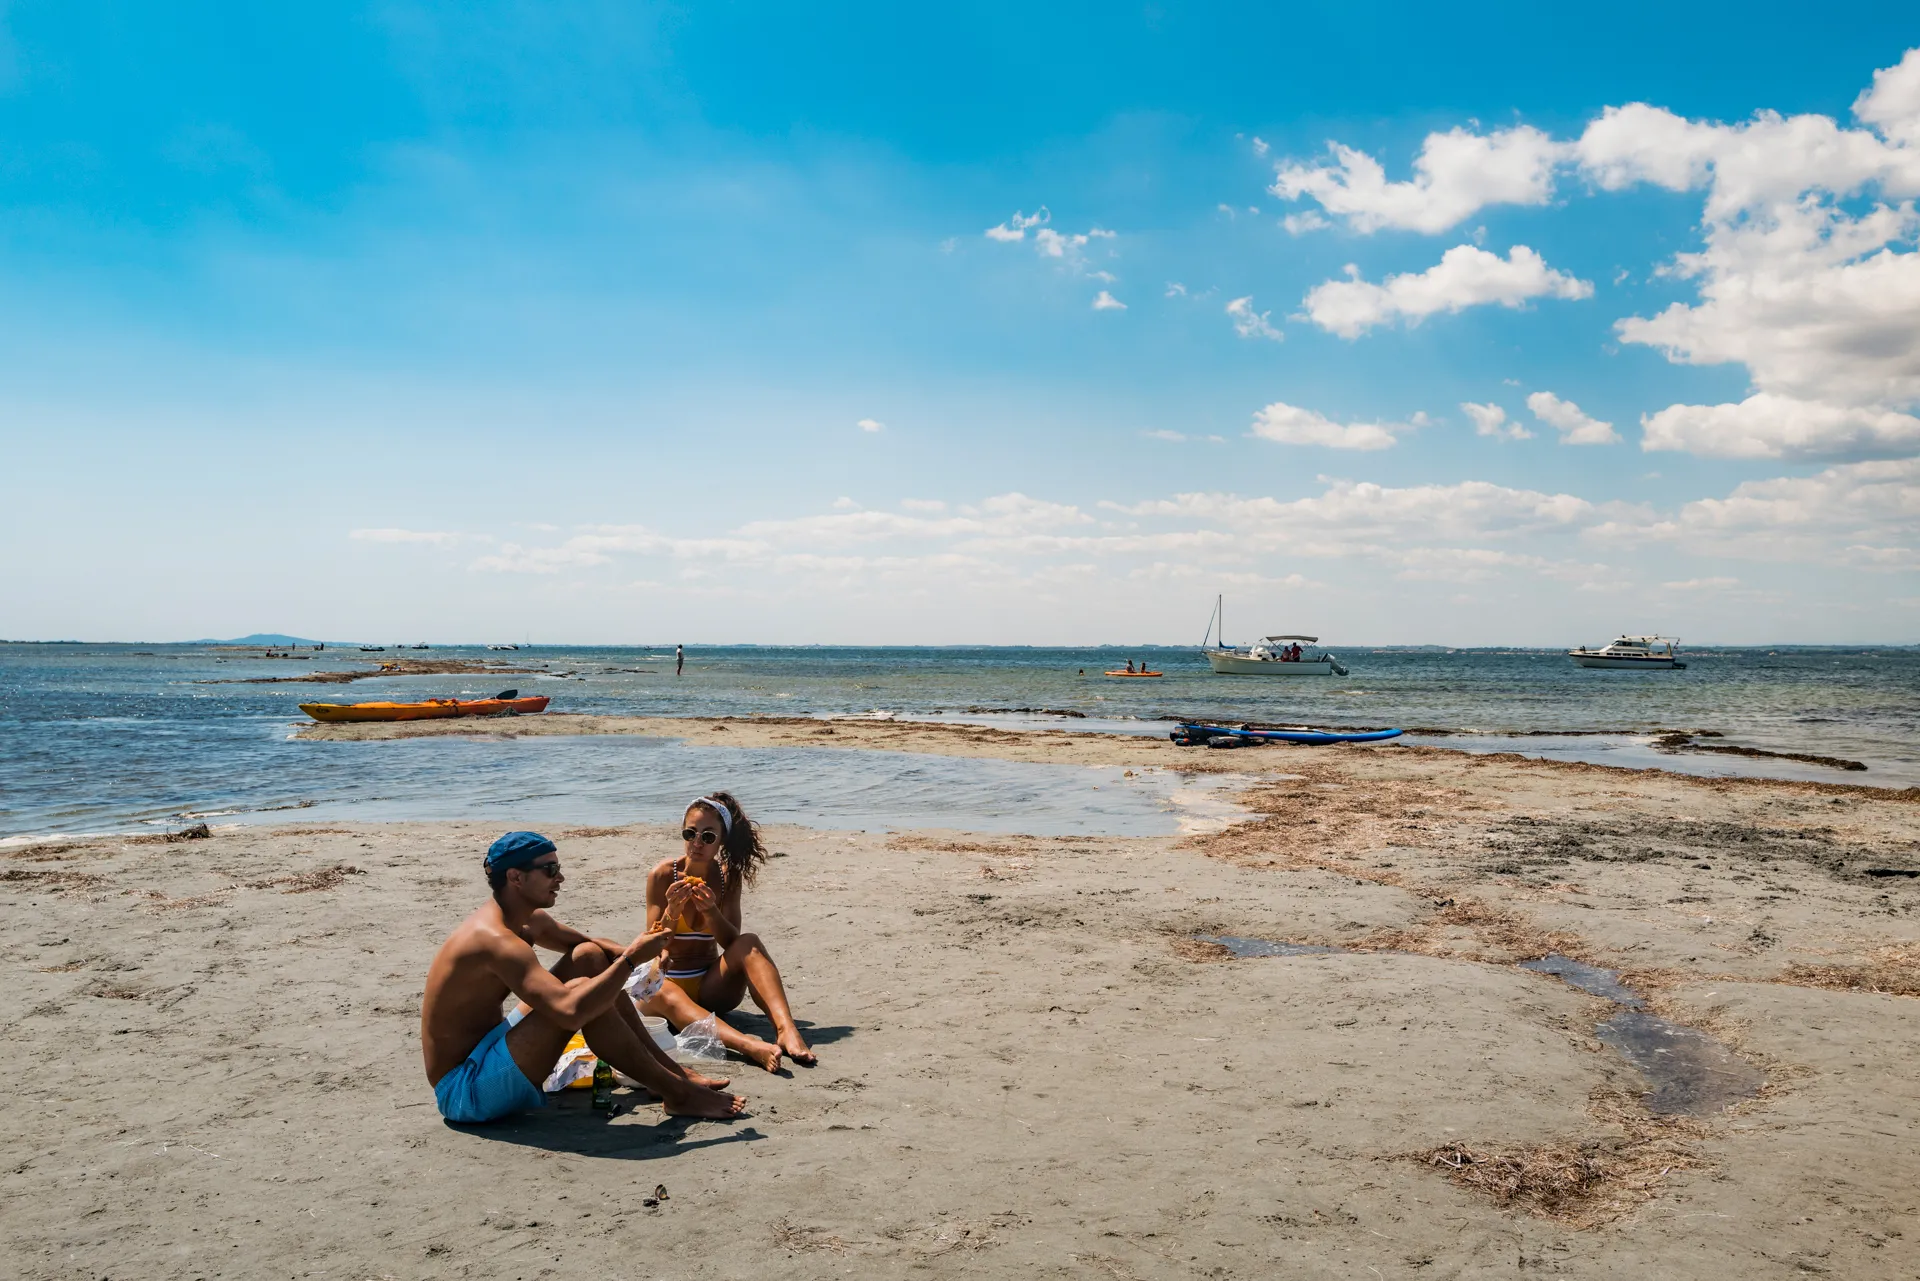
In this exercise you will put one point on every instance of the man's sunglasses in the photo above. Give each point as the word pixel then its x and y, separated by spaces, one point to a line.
pixel 545 869
pixel 707 837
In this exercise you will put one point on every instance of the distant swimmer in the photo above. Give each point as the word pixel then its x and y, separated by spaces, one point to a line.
pixel 483 1067
pixel 679 659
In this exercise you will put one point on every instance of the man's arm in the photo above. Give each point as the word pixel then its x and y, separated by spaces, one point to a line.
pixel 575 1002
pixel 558 937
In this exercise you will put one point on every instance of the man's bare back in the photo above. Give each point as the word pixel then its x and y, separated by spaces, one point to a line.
pixel 464 991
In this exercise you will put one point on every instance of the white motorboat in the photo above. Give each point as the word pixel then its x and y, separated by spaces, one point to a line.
pixel 1270 655
pixel 1632 653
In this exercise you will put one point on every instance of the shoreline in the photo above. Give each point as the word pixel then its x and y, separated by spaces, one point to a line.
pixel 1028 1061
pixel 955 738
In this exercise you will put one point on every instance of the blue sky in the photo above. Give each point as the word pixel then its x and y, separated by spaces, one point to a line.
pixel 977 324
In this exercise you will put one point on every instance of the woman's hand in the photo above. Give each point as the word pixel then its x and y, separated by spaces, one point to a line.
pixel 700 897
pixel 677 894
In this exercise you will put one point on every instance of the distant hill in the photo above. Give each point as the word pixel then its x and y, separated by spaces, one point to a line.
pixel 260 638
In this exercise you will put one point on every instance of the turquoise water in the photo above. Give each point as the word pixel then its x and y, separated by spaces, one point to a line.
pixel 106 737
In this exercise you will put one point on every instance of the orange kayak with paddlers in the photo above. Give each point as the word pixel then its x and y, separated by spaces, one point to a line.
pixel 1133 674
pixel 432 709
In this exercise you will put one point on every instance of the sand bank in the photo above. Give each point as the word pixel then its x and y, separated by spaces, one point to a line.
pixel 1028 1066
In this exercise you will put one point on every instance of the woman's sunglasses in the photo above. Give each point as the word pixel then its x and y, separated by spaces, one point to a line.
pixel 707 837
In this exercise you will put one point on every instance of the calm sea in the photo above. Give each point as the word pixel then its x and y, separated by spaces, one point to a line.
pixel 113 737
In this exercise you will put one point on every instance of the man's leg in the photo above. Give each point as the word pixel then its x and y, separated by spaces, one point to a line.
pixel 744 967
pixel 673 1004
pixel 624 1045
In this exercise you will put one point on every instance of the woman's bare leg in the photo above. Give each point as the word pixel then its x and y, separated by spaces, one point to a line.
pixel 745 967
pixel 624 1043
pixel 673 1004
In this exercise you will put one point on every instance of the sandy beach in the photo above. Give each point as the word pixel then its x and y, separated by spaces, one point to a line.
pixel 1032 1062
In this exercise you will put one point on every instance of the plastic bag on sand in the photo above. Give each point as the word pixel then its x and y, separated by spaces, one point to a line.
pixel 699 1042
pixel 575 1068
pixel 645 983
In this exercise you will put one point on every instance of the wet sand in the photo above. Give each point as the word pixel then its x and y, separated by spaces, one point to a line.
pixel 1029 1065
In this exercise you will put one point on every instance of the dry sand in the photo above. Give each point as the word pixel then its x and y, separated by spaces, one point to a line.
pixel 1028 1068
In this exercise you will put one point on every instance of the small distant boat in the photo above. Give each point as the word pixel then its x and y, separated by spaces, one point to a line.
pixel 1268 656
pixel 423 647
pixel 1121 671
pixel 1632 653
pixel 506 704
pixel 373 649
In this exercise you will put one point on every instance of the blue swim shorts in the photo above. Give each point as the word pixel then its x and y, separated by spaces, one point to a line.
pixel 489 1084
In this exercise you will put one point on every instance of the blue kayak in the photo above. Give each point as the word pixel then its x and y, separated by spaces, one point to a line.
pixel 1312 737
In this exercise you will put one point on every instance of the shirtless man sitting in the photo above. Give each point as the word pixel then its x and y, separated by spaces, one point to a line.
pixel 482 1066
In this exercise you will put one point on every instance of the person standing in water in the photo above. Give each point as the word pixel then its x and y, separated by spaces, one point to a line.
pixel 711 962
pixel 679 659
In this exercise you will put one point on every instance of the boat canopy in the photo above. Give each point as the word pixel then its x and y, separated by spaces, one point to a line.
pixel 1648 640
pixel 1311 640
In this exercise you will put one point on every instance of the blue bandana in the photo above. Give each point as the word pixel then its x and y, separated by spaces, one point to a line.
pixel 517 849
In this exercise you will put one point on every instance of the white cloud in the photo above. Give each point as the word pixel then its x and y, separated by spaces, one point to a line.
pixel 1768 426
pixel 1176 290
pixel 1015 228
pixel 923 504
pixel 1249 323
pixel 845 504
pixel 1564 416
pixel 871 424
pixel 1301 223
pixel 1701 584
pixel 1291 425
pixel 438 538
pixel 1051 244
pixel 1260 147
pixel 1491 420
pixel 1464 277
pixel 1892 104
pixel 1104 301
pixel 1792 517
pixel 1456 174
pixel 1163 434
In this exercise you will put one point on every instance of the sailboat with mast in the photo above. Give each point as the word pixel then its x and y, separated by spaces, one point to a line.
pixel 1277 655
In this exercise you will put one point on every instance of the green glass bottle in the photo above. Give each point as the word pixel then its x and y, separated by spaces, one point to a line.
pixel 602 1086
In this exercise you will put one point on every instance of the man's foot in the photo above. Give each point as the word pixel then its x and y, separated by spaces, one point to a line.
pixel 710 1082
pixel 697 1101
pixel 794 1046
pixel 766 1054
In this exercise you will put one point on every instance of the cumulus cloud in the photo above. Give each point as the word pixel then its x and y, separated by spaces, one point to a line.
pixel 1292 425
pixel 1249 323
pixel 1016 227
pixel 1491 420
pixel 1575 427
pixel 1768 426
pixel 1808 274
pixel 438 538
pixel 1104 301
pixel 1465 276
pixel 1456 174
pixel 870 425
pixel 1873 504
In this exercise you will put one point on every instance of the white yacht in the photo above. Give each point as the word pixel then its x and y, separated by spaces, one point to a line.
pixel 1270 655
pixel 1633 653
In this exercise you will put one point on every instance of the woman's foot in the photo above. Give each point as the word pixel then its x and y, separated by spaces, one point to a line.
pixel 766 1054
pixel 698 1101
pixel 794 1046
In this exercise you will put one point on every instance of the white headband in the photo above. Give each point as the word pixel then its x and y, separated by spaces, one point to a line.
pixel 726 817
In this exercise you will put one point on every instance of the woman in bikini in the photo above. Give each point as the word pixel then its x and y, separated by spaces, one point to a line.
pixel 710 962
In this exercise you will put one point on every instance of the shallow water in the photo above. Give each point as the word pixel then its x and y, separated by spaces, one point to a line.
pixel 1690 1073
pixel 103 736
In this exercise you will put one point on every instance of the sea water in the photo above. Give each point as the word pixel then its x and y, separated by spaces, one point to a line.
pixel 100 737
